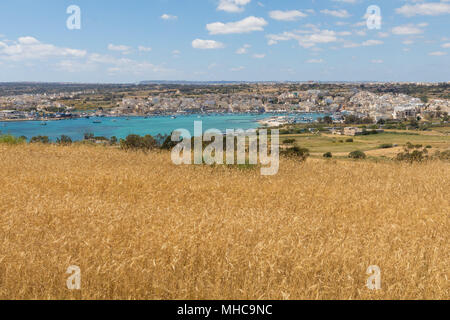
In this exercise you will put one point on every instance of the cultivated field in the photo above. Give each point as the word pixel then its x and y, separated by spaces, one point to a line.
pixel 140 227
pixel 318 144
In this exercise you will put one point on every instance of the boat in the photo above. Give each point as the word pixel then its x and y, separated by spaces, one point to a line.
pixel 43 123
pixel 97 121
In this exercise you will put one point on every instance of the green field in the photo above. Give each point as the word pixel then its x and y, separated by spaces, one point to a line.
pixel 336 144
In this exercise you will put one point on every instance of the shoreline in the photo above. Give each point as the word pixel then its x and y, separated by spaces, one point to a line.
pixel 267 115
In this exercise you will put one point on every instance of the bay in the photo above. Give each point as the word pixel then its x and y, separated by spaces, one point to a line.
pixel 121 127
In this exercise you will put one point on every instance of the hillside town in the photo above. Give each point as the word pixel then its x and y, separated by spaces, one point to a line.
pixel 337 103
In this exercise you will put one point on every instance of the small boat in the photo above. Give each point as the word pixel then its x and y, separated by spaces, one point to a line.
pixel 173 117
pixel 97 121
pixel 43 123
pixel 114 120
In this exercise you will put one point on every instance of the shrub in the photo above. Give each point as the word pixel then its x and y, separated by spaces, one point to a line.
pixel 386 145
pixel 168 144
pixel 40 139
pixel 349 140
pixel 88 136
pixel 328 155
pixel 445 155
pixel 289 141
pixel 414 156
pixel 357 155
pixel 113 140
pixel 64 140
pixel 135 142
pixel 297 152
pixel 428 147
pixel 12 140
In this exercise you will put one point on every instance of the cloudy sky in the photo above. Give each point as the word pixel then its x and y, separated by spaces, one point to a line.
pixel 134 40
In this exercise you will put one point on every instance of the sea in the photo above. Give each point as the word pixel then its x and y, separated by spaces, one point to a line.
pixel 121 127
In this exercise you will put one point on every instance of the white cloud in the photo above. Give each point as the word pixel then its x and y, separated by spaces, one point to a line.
pixel 259 55
pixel 315 61
pixel 207 44
pixel 232 5
pixel 29 48
pixel 120 48
pixel 377 61
pixel 167 16
pixel 236 69
pixel 372 43
pixel 424 9
pixel 144 49
pixel 305 38
pixel 286 15
pixel 336 13
pixel 243 49
pixel 407 30
pixel 437 53
pixel 446 45
pixel 246 25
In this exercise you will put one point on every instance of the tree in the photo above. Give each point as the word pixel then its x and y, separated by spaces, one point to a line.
pixel 135 142
pixel 88 136
pixel 64 140
pixel 357 155
pixel 424 99
pixel 296 152
pixel 328 120
pixel 40 139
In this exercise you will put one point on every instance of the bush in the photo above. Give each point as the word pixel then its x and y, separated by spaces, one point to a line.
pixel 135 142
pixel 445 155
pixel 64 140
pixel 414 156
pixel 357 155
pixel 88 136
pixel 349 140
pixel 113 140
pixel 428 147
pixel 168 144
pixel 289 141
pixel 386 145
pixel 296 152
pixel 40 139
pixel 328 155
pixel 12 140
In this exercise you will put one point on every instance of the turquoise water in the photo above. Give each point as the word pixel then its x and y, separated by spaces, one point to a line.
pixel 121 127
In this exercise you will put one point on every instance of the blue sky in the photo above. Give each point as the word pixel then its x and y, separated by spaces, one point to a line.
pixel 134 40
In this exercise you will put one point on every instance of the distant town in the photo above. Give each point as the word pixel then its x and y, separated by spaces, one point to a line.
pixel 373 102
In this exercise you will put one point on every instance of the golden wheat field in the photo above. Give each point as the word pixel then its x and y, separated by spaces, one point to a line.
pixel 140 227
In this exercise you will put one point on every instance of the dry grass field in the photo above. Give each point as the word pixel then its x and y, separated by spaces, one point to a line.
pixel 140 227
